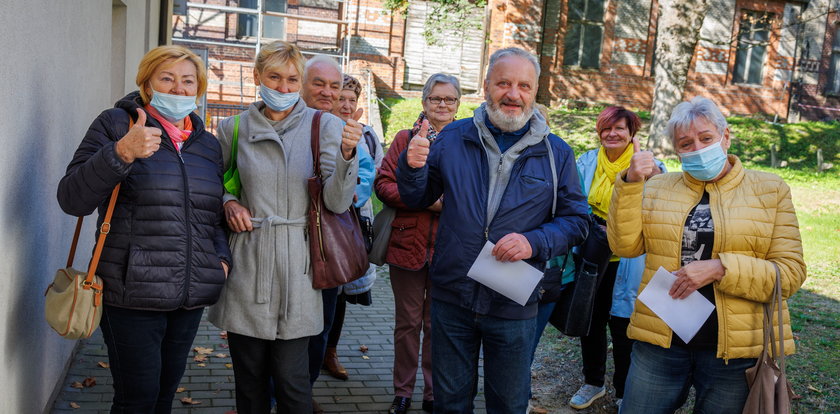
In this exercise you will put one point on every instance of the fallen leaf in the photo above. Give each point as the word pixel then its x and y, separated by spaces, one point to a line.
pixel 76 384
pixel 203 351
pixel 200 358
pixel 225 346
pixel 189 401
pixel 103 364
pixel 74 405
pixel 539 410
pixel 363 348
pixel 365 357
pixel 89 382
pixel 223 334
pixel 813 388
pixel 221 355
pixel 201 365
pixel 228 365
pixel 180 390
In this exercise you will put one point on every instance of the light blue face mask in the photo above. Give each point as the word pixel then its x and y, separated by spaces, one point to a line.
pixel 704 164
pixel 173 107
pixel 278 101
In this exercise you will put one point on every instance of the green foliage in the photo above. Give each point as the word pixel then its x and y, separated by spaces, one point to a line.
pixel 796 143
pixel 446 17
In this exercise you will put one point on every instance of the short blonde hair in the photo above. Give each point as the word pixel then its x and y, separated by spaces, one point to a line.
pixel 279 53
pixel 162 54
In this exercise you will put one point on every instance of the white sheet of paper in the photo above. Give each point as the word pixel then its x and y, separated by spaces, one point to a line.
pixel 515 280
pixel 683 316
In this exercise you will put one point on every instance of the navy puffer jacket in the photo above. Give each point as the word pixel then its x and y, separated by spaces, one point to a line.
pixel 166 243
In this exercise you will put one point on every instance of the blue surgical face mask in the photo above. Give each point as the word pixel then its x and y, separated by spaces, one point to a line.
pixel 173 107
pixel 704 164
pixel 278 101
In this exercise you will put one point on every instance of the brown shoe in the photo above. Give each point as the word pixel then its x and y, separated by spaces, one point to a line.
pixel 333 366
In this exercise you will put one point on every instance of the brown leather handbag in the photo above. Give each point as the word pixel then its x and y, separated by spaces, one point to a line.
pixel 770 389
pixel 336 244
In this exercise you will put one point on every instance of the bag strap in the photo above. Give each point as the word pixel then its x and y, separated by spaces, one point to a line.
pixel 234 145
pixel 316 142
pixel 553 176
pixel 103 232
pixel 777 293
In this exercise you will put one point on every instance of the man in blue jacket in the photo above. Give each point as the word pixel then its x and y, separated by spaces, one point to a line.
pixel 495 174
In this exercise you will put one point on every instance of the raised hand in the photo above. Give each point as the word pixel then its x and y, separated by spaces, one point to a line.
pixel 140 141
pixel 351 134
pixel 642 165
pixel 238 217
pixel 512 247
pixel 418 147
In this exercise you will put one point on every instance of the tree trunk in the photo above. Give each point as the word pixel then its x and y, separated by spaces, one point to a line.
pixel 679 31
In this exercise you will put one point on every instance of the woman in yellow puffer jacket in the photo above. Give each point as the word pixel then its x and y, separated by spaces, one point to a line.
pixel 722 230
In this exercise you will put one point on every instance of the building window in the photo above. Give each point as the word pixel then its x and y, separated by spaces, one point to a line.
pixel 834 73
pixel 274 27
pixel 585 29
pixel 753 40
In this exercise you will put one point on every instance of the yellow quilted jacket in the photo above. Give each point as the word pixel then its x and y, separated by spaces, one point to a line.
pixel 755 227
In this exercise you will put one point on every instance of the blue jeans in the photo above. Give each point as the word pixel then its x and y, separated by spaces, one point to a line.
pixel 147 351
pixel 543 313
pixel 318 343
pixel 659 381
pixel 457 336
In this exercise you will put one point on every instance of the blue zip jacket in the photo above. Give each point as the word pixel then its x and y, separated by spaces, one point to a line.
pixel 458 168
pixel 629 272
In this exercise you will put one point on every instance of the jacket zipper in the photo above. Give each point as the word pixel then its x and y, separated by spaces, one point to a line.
pixel 680 240
pixel 719 301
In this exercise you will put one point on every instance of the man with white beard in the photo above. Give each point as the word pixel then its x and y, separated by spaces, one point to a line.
pixel 506 179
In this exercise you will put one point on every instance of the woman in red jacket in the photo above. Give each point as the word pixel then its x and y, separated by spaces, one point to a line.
pixel 411 246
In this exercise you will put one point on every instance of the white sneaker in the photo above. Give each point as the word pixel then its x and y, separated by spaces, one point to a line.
pixel 618 403
pixel 586 395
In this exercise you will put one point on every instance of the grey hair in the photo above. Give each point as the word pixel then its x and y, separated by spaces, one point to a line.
pixel 441 78
pixel 321 59
pixel 687 112
pixel 512 51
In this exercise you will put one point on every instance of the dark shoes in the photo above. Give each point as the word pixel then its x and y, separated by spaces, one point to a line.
pixel 333 366
pixel 428 406
pixel 401 405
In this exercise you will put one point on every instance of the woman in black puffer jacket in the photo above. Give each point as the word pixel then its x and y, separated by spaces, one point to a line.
pixel 166 256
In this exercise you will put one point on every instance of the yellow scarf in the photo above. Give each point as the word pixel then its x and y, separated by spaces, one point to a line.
pixel 603 182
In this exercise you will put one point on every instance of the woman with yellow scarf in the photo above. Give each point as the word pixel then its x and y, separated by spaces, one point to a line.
pixel 616 294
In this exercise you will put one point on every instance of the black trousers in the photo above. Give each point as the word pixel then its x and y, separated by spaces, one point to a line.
pixel 594 346
pixel 284 361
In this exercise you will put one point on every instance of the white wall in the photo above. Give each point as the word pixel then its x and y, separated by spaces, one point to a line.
pixel 55 76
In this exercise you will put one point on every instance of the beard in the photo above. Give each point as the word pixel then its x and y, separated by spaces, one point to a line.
pixel 505 122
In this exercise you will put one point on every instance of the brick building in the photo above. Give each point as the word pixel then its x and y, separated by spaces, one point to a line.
pixel 753 57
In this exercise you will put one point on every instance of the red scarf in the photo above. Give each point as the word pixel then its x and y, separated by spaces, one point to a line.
pixel 178 136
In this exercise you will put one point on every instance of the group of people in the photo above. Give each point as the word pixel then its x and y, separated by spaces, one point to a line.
pixel 180 242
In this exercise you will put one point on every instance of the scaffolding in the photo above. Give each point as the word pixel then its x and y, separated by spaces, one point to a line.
pixel 227 32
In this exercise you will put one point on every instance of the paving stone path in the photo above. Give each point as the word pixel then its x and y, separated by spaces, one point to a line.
pixel 368 390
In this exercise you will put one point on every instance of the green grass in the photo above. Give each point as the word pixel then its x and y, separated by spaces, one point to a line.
pixel 398 114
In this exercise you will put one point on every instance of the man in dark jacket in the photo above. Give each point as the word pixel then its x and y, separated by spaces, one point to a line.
pixel 495 172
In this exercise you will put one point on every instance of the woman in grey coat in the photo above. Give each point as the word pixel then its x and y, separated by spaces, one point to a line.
pixel 268 305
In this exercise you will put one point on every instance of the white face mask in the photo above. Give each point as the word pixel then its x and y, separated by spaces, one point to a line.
pixel 278 101
pixel 704 164
pixel 173 107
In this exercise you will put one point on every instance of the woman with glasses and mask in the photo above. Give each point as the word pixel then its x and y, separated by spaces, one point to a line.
pixel 723 231
pixel 166 256
pixel 268 305
pixel 411 247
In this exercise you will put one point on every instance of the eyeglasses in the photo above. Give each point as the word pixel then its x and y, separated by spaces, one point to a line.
pixel 436 100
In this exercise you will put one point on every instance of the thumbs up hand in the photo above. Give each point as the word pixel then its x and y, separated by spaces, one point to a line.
pixel 418 147
pixel 351 134
pixel 642 165
pixel 140 141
